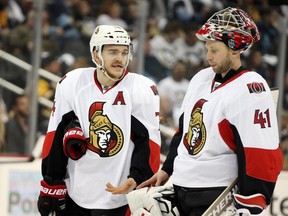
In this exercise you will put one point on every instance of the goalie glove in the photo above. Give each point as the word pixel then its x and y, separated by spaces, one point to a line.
pixel 74 142
pixel 158 201
pixel 52 197
pixel 251 205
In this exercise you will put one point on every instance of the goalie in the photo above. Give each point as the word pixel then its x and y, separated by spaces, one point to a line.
pixel 228 127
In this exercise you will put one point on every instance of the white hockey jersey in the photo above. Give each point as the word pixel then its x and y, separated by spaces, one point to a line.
pixel 228 130
pixel 121 126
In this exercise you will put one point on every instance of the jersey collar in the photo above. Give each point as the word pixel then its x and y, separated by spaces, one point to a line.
pixel 232 74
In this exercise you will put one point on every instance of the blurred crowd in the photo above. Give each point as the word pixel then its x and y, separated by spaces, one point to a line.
pixel 172 53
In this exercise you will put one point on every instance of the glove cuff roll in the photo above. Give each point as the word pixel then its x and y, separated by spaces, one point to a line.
pixel 55 191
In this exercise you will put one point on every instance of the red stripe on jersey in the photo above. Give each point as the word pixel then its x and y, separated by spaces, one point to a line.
pixel 128 212
pixel 47 143
pixel 264 164
pixel 253 200
pixel 154 159
pixel 227 134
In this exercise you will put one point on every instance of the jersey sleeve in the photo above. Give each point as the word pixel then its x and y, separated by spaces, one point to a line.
pixel 251 116
pixel 53 159
pixel 145 132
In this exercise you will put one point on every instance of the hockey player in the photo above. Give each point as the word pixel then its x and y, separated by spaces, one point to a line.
pixel 103 136
pixel 228 128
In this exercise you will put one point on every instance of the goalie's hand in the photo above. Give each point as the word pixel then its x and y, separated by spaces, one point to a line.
pixel 74 142
pixel 158 179
pixel 128 186
pixel 253 204
pixel 52 197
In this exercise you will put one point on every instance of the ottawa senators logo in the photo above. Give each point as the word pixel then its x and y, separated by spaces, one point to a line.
pixel 195 138
pixel 105 138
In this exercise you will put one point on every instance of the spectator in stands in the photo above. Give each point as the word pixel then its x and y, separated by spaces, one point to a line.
pixel 51 64
pixel 180 9
pixel 21 38
pixel 84 18
pixel 269 30
pixel 152 67
pixel 130 15
pixel 171 91
pixel 110 14
pixel 285 94
pixel 163 45
pixel 190 49
pixel 256 63
pixel 79 62
pixel 16 129
pixel 46 88
pixel 3 120
pixel 11 13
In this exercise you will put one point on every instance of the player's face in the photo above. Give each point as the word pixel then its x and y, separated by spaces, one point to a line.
pixel 218 57
pixel 115 59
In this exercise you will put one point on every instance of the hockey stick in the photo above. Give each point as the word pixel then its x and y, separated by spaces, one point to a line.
pixel 223 201
pixel 225 198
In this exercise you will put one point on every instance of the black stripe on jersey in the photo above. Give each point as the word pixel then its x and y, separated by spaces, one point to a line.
pixel 249 185
pixel 140 169
pixel 54 165
pixel 175 142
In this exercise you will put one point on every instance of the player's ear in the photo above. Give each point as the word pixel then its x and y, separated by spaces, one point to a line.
pixel 235 52
pixel 95 55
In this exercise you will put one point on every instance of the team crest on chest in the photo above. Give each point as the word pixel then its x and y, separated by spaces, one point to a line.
pixel 195 138
pixel 105 137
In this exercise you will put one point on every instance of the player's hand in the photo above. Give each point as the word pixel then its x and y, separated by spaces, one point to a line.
pixel 158 179
pixel 128 186
pixel 52 197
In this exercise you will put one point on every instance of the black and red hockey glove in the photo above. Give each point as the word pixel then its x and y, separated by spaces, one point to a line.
pixel 251 205
pixel 74 142
pixel 52 197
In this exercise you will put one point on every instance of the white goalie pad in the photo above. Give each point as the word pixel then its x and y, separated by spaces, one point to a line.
pixel 155 201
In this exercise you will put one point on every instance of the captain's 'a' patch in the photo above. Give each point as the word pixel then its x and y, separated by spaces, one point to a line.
pixel 256 87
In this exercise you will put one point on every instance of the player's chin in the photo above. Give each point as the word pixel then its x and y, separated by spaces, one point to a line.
pixel 214 68
pixel 117 74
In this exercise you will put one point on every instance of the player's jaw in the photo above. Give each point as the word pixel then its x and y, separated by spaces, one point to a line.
pixel 222 67
pixel 115 70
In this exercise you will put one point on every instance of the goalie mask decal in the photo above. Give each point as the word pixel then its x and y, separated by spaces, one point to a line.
pixel 195 138
pixel 105 138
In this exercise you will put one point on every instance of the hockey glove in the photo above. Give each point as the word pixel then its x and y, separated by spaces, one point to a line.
pixel 74 142
pixel 52 197
pixel 253 204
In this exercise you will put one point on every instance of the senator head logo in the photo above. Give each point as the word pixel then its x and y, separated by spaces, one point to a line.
pixel 105 138
pixel 195 138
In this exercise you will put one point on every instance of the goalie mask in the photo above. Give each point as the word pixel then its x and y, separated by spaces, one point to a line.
pixel 233 27
pixel 113 35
